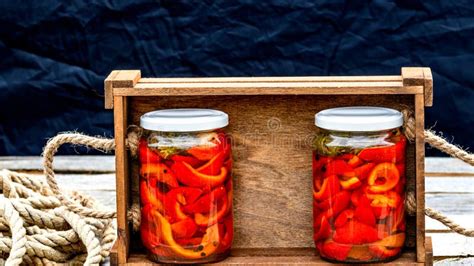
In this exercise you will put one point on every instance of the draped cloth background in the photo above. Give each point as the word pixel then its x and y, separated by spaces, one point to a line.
pixel 56 54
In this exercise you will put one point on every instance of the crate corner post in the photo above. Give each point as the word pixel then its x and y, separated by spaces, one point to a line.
pixel 119 104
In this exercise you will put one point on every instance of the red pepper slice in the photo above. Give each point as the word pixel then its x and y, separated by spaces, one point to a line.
pixel 363 212
pixel 387 173
pixel 379 154
pixel 149 232
pixel 337 167
pixel 363 171
pixel 390 199
pixel 355 161
pixel 194 162
pixel 226 240
pixel 351 183
pixel 148 195
pixel 213 166
pixel 159 171
pixel 189 176
pixel 355 232
pixel 214 216
pixel 331 249
pixel 145 154
pixel 184 229
pixel 329 187
pixel 396 219
pixel 172 206
pixel 324 230
pixel 318 163
pixel 189 242
pixel 204 203
pixel 344 217
pixel 335 204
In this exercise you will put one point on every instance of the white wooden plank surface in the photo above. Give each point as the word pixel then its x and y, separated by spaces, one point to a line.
pixel 449 189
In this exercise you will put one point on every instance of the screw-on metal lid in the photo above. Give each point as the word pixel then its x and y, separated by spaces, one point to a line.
pixel 359 118
pixel 184 120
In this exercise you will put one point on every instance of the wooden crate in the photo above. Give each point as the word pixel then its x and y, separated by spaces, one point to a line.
pixel 271 122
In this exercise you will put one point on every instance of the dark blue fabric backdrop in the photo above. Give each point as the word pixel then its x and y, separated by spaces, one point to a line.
pixel 56 54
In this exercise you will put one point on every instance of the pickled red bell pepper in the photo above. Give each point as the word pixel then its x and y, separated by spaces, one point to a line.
pixel 329 187
pixel 393 241
pixel 335 204
pixel 204 203
pixel 214 216
pixel 351 183
pixel 335 250
pixel 344 217
pixel 383 177
pixel 148 196
pixel 213 166
pixel 172 206
pixel 145 154
pixel 226 240
pixel 363 212
pixel 363 171
pixel 149 232
pixel 338 167
pixel 189 176
pixel 184 229
pixel 354 232
pixel 393 153
pixel 355 161
pixel 194 162
pixel 390 199
pixel 208 245
pixel 159 171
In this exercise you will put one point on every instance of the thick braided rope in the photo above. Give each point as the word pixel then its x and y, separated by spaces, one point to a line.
pixel 18 232
pixel 443 145
pixel 51 148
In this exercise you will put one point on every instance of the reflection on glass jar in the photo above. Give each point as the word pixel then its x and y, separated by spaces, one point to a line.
pixel 359 184
pixel 186 186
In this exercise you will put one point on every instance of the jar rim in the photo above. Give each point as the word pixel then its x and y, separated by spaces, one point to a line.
pixel 184 120
pixel 359 119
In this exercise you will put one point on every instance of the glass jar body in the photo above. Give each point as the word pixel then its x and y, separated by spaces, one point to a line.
pixel 358 195
pixel 186 196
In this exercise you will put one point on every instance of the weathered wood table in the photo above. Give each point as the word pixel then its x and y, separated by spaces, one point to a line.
pixel 449 189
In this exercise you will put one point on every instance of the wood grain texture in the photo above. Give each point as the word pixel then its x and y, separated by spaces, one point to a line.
pixel 272 152
pixel 419 76
pixel 420 176
pixel 304 256
pixel 119 79
pixel 263 88
pixel 429 251
pixel 271 79
pixel 122 173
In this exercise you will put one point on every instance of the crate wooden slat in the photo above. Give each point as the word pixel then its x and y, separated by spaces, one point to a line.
pixel 271 122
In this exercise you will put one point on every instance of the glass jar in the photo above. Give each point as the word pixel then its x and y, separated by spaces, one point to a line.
pixel 185 186
pixel 359 184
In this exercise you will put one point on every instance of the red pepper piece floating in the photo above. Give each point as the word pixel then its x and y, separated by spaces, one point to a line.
pixel 400 149
pixel 324 230
pixel 351 183
pixel 390 199
pixel 337 167
pixel 383 177
pixel 329 187
pixel 363 213
pixel 172 206
pixel 355 161
pixel 318 163
pixel 194 162
pixel 396 219
pixel 379 154
pixel 189 176
pixel 214 216
pixel 189 242
pixel 161 172
pixel 184 229
pixel 344 217
pixel 204 203
pixel 149 232
pixel 382 252
pixel 335 204
pixel 145 154
pixel 363 171
pixel 148 195
pixel 228 236
pixel 213 166
pixel 331 249
pixel 355 232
